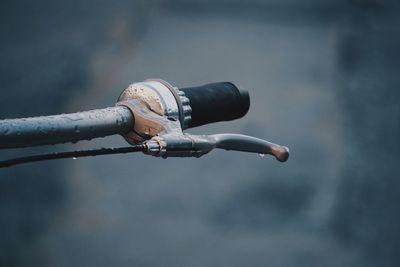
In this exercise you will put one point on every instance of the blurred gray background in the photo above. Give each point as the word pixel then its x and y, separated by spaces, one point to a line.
pixel 323 80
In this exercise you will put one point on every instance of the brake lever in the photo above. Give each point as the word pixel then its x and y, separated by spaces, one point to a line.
pixel 188 145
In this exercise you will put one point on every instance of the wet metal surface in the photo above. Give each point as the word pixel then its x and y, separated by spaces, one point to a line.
pixel 49 130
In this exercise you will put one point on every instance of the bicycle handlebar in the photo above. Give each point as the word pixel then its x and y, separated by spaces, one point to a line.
pixel 151 116
pixel 208 103
pixel 64 128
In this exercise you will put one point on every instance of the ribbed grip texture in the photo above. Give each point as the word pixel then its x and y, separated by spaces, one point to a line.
pixel 213 102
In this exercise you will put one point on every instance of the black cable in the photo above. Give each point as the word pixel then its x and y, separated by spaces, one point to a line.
pixel 71 154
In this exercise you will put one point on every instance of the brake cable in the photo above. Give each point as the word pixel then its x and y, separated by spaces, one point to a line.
pixel 71 154
pixel 151 116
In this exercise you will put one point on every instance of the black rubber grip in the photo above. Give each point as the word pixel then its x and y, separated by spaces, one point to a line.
pixel 223 101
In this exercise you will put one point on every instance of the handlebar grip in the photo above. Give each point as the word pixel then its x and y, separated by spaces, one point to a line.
pixel 213 102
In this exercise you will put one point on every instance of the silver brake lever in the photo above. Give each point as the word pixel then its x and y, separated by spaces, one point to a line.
pixel 187 145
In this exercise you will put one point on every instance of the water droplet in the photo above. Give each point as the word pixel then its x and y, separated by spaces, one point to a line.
pixel 77 129
pixel 261 155
pixel 74 158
